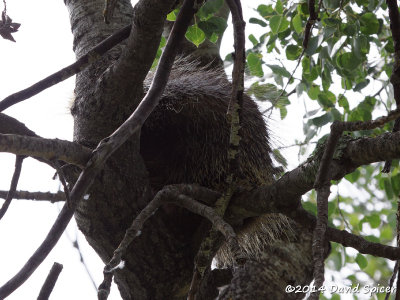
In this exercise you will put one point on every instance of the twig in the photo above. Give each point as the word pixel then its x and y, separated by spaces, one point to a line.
pixel 392 278
pixel 61 176
pixel 75 244
pixel 94 54
pixel 37 196
pixel 49 149
pixel 295 145
pixel 50 281
pixel 346 224
pixel 14 182
pixel 275 101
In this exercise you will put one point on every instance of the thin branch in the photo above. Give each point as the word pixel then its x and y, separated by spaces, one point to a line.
pixel 275 101
pixel 50 282
pixel 49 149
pixel 94 54
pixel 345 238
pixel 392 278
pixel 75 244
pixel 14 182
pixel 61 176
pixel 37 196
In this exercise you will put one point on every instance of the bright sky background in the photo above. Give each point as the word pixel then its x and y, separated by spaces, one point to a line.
pixel 44 45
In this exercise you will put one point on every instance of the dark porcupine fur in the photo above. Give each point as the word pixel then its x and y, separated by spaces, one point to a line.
pixel 186 140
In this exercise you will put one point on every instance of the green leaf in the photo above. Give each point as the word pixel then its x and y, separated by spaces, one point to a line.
pixel 215 25
pixel 386 233
pixel 253 40
pixel 279 157
pixel 279 70
pixel 213 38
pixel 350 29
pixel 322 120
pixel 361 261
pixel 313 92
pixel 209 8
pixel 267 92
pixel 195 35
pixel 342 101
pixel 353 177
pixel 283 112
pixel 331 22
pixel 369 23
pixel 359 86
pixel 312 45
pixel 278 24
pixel 374 220
pixel 279 7
pixel 348 61
pixel 388 188
pixel 171 16
pixel 265 10
pixel 257 21
pixel 293 52
pixel 327 99
pixel 255 64
pixel 297 24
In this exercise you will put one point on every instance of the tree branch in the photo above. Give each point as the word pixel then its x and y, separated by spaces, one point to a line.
pixel 14 181
pixel 50 281
pixel 142 45
pixel 10 125
pixel 49 149
pixel 37 196
pixel 94 54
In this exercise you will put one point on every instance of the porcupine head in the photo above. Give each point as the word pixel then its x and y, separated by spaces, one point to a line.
pixel 186 140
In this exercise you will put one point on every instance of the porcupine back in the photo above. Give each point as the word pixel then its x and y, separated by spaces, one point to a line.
pixel 186 140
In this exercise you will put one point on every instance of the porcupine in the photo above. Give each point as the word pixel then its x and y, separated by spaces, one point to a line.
pixel 186 140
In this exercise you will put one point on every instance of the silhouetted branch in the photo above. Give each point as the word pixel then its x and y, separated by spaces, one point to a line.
pixel 65 73
pixel 37 196
pixel 50 282
pixel 14 182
